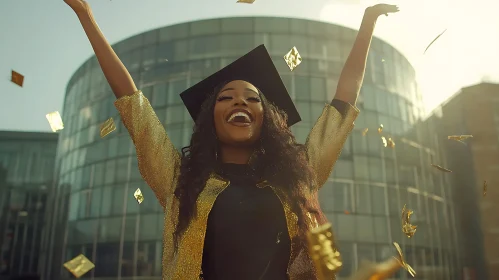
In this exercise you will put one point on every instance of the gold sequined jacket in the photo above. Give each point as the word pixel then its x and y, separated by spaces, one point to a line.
pixel 159 164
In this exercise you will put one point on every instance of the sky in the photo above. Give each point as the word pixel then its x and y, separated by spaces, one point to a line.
pixel 44 41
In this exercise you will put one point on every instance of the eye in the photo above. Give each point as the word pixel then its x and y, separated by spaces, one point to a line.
pixel 256 99
pixel 222 98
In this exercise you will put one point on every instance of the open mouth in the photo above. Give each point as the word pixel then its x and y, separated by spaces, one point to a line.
pixel 240 118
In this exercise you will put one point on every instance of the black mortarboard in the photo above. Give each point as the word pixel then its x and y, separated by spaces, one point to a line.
pixel 255 67
pixel 17 78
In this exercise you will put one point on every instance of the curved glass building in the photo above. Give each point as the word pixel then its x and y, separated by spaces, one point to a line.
pixel 366 191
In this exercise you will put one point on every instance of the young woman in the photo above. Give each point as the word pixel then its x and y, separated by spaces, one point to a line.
pixel 240 199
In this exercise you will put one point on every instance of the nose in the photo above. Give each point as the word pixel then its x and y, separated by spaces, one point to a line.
pixel 240 101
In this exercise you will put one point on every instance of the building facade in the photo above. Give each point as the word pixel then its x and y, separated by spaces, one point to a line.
pixel 474 111
pixel 27 162
pixel 365 193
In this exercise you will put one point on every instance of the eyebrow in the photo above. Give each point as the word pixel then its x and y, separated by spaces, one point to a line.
pixel 246 89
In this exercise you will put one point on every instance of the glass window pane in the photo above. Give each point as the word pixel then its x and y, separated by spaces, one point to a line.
pixel 148 227
pixel 124 145
pixel 365 252
pixel 106 201
pixel 118 200
pixel 346 227
pixel 109 230
pixel 240 43
pixel 364 228
pixel 205 27
pixel 121 170
pixel 108 256
pixel 302 88
pixel 316 111
pixel 318 89
pixel 393 202
pixel 381 229
pixel 359 142
pixel 378 200
pixel 160 95
pixel 230 25
pixel 95 202
pixel 110 171
pixel 347 256
pixel 363 199
pixel 343 169
pixel 277 25
pixel 375 170
pixel 342 195
pixel 175 114
pixel 304 110
pixel 361 168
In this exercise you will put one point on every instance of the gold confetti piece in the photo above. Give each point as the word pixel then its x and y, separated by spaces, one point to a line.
pixel 327 260
pixel 380 128
pixel 246 1
pixel 390 143
pixel 405 265
pixel 484 188
pixel 55 121
pixel 407 228
pixel 79 266
pixel 441 168
pixel 384 141
pixel 17 78
pixel 364 132
pixel 347 212
pixel 138 196
pixel 459 137
pixel 107 127
pixel 434 41
pixel 293 58
pixel 382 60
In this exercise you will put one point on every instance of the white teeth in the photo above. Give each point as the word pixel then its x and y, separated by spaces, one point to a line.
pixel 239 114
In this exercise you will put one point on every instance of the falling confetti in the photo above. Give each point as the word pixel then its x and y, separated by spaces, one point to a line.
pixel 364 132
pixel 382 60
pixel 347 212
pixel 384 141
pixel 293 58
pixel 380 128
pixel 138 196
pixel 484 188
pixel 407 228
pixel 79 266
pixel 17 78
pixel 441 168
pixel 326 259
pixel 391 143
pixel 405 265
pixel 246 1
pixel 107 127
pixel 459 137
pixel 55 121
pixel 434 41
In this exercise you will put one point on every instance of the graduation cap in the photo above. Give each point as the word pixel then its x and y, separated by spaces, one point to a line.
pixel 17 78
pixel 257 68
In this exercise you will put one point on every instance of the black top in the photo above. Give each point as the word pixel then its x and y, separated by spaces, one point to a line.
pixel 247 237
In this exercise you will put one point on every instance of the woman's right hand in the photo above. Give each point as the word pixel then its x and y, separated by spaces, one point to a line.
pixel 78 6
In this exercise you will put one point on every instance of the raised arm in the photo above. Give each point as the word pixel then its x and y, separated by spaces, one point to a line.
pixel 330 132
pixel 158 159
pixel 352 75
pixel 115 72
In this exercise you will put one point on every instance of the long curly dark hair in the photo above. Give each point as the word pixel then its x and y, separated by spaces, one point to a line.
pixel 278 158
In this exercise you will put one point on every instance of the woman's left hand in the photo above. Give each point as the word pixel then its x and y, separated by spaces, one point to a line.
pixel 381 9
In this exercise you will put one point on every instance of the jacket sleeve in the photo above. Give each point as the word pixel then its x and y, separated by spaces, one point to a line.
pixel 325 141
pixel 158 160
